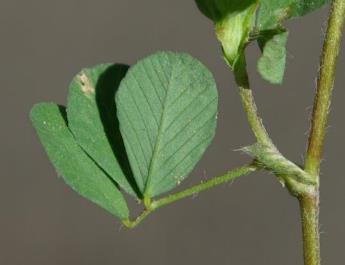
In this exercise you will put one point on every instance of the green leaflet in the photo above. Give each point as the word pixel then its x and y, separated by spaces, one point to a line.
pixel 91 114
pixel 167 108
pixel 70 161
pixel 272 13
pixel 303 7
pixel 271 65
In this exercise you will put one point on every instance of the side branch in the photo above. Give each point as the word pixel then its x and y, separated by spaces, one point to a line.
pixel 213 182
pixel 231 175
pixel 248 103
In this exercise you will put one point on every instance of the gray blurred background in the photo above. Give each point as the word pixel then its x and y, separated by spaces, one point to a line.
pixel 251 221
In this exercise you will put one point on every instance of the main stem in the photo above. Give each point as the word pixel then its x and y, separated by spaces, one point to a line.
pixel 309 205
pixel 309 202
pixel 325 87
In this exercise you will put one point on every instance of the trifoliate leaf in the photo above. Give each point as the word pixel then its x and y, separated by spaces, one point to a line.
pixel 167 108
pixel 77 169
pixel 91 113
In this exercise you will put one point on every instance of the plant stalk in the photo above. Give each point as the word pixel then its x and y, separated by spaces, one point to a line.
pixel 213 182
pixel 309 207
pixel 325 87
pixel 231 175
pixel 248 103
pixel 309 202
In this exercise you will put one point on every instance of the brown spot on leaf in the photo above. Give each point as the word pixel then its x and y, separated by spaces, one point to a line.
pixel 86 86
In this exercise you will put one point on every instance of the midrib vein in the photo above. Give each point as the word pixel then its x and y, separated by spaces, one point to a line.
pixel 159 135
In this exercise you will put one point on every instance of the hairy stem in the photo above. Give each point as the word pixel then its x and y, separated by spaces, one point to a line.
pixel 231 175
pixel 309 206
pixel 325 87
pixel 309 202
pixel 248 103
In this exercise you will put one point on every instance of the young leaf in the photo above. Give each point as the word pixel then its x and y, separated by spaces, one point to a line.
pixel 233 33
pixel 272 13
pixel 167 108
pixel 91 114
pixel 70 161
pixel 233 22
pixel 271 65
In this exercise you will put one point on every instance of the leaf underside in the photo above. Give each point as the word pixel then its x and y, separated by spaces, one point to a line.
pixel 77 169
pixel 167 108
pixel 91 113
pixel 271 65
